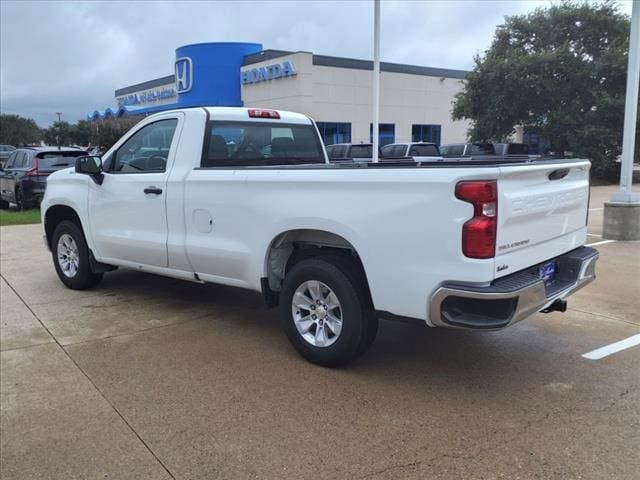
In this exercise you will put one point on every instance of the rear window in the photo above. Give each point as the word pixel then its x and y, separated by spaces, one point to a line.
pixel 336 151
pixel 58 159
pixel 361 151
pixel 424 151
pixel 246 144
pixel 482 149
pixel 452 150
pixel 518 149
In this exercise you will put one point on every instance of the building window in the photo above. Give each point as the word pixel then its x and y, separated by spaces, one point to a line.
pixel 332 132
pixel 386 133
pixel 426 133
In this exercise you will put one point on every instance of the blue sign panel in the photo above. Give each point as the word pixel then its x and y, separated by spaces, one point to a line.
pixel 269 72
pixel 184 75
pixel 209 73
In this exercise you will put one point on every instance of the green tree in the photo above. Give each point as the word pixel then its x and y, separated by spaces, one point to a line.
pixel 81 133
pixel 18 131
pixel 108 131
pixel 60 133
pixel 560 72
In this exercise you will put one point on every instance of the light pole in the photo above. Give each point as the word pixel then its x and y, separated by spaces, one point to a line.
pixel 59 114
pixel 622 213
pixel 376 79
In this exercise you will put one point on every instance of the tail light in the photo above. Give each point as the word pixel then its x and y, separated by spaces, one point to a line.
pixel 479 233
pixel 33 171
pixel 261 113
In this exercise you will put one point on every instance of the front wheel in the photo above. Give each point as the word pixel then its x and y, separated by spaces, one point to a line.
pixel 71 257
pixel 326 310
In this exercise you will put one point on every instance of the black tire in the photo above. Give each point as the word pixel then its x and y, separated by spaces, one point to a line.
pixel 359 325
pixel 19 199
pixel 4 205
pixel 83 278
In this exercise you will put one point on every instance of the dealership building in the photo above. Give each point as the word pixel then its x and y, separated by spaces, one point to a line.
pixel 415 101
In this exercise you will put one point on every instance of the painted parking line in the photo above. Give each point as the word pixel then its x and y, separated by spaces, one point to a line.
pixel 607 350
pixel 603 242
pixel 594 235
pixel 596 208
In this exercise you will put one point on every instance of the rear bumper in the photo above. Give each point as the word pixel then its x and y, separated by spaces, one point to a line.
pixel 513 298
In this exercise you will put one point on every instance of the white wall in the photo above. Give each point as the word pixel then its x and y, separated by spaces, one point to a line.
pixel 330 94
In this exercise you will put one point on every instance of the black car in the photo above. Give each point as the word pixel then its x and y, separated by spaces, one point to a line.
pixel 24 176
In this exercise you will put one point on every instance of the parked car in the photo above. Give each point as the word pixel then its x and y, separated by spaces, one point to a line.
pixel 337 246
pixel 24 177
pixel 5 151
pixel 467 150
pixel 511 148
pixel 421 151
pixel 350 152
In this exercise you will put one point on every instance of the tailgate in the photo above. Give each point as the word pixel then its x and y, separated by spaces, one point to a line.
pixel 542 212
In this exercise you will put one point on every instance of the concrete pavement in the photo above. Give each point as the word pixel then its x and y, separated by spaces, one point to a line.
pixel 147 377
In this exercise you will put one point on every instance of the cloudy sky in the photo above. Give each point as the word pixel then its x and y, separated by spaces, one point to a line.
pixel 71 56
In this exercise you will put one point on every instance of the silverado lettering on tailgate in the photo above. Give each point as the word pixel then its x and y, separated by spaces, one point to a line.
pixel 548 202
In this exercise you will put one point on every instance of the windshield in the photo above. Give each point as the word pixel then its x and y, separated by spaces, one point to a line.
pixel 261 143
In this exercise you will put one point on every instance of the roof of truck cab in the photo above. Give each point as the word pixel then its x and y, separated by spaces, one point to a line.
pixel 241 114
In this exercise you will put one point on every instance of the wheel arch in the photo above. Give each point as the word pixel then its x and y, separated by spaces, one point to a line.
pixel 290 246
pixel 56 214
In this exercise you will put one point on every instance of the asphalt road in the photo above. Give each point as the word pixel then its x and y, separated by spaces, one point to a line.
pixel 147 377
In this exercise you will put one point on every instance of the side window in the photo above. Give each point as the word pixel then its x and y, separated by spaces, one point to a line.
pixel 452 150
pixel 147 150
pixel 398 150
pixel 424 150
pixel 22 160
pixel 11 160
pixel 387 151
pixel 340 151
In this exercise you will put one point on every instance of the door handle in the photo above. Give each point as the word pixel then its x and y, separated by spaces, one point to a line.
pixel 153 190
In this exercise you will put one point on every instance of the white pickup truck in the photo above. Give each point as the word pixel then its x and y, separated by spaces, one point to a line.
pixel 246 197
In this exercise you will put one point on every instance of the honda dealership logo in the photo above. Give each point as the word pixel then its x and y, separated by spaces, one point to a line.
pixel 268 72
pixel 184 75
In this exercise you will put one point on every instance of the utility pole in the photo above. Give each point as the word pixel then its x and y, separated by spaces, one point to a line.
pixel 376 80
pixel 59 114
pixel 622 213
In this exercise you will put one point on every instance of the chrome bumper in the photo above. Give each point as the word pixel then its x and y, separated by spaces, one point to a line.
pixel 513 298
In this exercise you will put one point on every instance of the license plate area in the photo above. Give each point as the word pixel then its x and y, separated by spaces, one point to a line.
pixel 547 272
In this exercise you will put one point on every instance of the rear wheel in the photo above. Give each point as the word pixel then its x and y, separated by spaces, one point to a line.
pixel 326 310
pixel 3 204
pixel 19 199
pixel 71 257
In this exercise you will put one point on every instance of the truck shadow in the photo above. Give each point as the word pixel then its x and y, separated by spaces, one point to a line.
pixel 416 356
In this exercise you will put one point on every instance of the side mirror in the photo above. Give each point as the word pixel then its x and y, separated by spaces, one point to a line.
pixel 92 166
